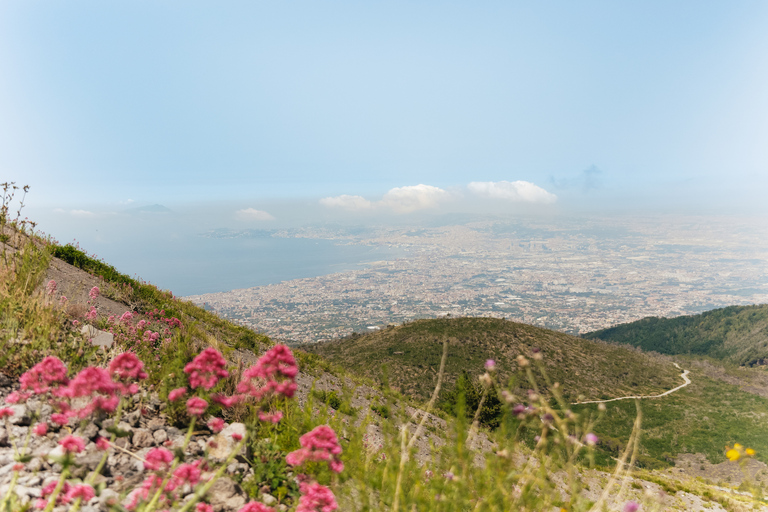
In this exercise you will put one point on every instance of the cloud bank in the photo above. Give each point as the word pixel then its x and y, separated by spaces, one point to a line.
pixel 515 191
pixel 253 214
pixel 399 199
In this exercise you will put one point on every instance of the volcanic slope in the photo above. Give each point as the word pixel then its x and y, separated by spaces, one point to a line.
pixel 408 356
pixel 736 334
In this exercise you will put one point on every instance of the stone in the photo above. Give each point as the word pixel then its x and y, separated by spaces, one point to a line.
pixel 268 499
pixel 225 443
pixel 20 415
pixel 142 438
pixel 133 418
pixel 98 338
pixel 155 424
pixel 225 495
pixel 89 432
pixel 160 436
pixel 108 497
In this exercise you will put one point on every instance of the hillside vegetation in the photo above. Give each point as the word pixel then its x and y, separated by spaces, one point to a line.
pixel 408 357
pixel 737 334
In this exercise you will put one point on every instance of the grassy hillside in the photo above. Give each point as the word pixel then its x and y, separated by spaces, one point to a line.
pixel 410 354
pixel 737 334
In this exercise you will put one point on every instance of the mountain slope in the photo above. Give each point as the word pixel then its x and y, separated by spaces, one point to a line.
pixel 737 334
pixel 411 353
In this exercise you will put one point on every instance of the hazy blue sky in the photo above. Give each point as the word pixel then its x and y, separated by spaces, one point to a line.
pixel 385 106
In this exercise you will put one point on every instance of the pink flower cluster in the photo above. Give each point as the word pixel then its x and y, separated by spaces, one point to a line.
pixel 316 498
pixel 68 493
pixel 91 390
pixel 274 373
pixel 206 369
pixel 318 445
pixel 159 460
pixel 94 293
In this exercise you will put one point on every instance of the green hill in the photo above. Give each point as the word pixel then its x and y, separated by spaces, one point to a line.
pixel 737 334
pixel 411 354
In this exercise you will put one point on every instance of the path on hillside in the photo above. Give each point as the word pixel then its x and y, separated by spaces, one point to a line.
pixel 684 375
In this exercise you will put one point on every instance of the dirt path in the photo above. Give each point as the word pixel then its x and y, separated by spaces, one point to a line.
pixel 684 375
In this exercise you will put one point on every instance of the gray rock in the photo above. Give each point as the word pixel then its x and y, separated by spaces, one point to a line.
pixel 268 499
pixel 155 424
pixel 107 497
pixel 225 495
pixel 5 381
pixel 98 338
pixel 20 415
pixel 160 436
pixel 225 443
pixel 142 438
pixel 133 418
pixel 89 432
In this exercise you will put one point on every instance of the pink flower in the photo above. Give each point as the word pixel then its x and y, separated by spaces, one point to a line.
pixel 187 473
pixel 83 491
pixel 5 412
pixel 316 498
pixel 102 443
pixel 255 506
pixel 94 293
pixel 237 437
pixel 126 368
pixel 72 444
pixel 59 418
pixel 318 445
pixel 203 507
pixel 274 417
pixel 126 317
pixel 631 506
pixel 206 369
pixel 51 287
pixel 92 314
pixel 158 459
pixel 40 429
pixel 216 425
pixel 75 323
pixel 226 401
pixel 591 439
pixel 196 406
pixel 275 372
pixel 63 300
pixel 176 394
pixel 47 375
pixel 16 397
pixel 490 365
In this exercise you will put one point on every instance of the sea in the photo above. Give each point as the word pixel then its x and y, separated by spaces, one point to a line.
pixel 193 265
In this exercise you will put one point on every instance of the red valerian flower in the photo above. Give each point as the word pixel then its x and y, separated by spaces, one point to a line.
pixel 50 374
pixel 196 406
pixel 176 394
pixel 158 459
pixel 275 372
pixel 206 369
pixel 316 498
pixel 72 444
pixel 318 445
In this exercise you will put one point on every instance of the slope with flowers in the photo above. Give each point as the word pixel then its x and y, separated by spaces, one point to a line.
pixel 142 424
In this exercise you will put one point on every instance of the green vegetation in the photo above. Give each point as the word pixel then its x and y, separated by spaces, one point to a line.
pixel 412 351
pixel 738 334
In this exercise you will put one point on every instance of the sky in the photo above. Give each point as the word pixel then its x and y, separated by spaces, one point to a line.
pixel 270 110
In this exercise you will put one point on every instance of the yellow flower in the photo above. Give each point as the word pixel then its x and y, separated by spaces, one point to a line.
pixel 737 446
pixel 733 454
pixel 750 452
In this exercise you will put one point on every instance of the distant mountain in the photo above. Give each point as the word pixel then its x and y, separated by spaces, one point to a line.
pixel 738 334
pixel 412 352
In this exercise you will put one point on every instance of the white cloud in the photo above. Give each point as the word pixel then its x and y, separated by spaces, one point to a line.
pixel 346 202
pixel 516 191
pixel 253 214
pixel 81 213
pixel 399 199
pixel 412 198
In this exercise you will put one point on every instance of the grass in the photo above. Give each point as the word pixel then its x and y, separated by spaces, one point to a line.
pixel 519 472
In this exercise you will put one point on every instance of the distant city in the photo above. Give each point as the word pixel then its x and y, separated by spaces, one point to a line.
pixel 573 275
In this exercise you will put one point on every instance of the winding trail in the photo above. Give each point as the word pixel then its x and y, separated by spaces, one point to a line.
pixel 684 375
